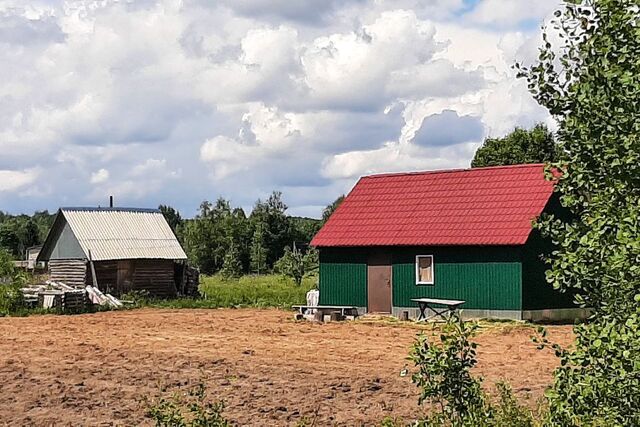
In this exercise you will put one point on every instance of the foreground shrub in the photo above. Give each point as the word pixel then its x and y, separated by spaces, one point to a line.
pixel 455 396
pixel 190 409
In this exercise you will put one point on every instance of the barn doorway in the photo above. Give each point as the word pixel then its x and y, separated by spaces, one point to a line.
pixel 379 283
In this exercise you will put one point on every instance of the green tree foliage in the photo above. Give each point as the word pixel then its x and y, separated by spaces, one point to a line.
pixel 17 233
pixel 7 268
pixel 207 238
pixel 326 213
pixel 259 239
pixel 11 282
pixel 173 218
pixel 303 229
pixel 271 215
pixel 258 252
pixel 296 264
pixel 520 146
pixel 598 383
pixel 231 265
pixel 591 84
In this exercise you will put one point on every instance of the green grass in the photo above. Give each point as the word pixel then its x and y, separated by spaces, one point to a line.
pixel 247 291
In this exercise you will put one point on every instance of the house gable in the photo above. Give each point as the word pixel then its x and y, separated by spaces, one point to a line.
pixel 67 245
pixel 61 243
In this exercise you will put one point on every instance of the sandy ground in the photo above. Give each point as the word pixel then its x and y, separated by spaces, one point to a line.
pixel 97 369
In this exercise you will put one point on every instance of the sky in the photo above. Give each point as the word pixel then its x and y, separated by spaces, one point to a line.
pixel 179 101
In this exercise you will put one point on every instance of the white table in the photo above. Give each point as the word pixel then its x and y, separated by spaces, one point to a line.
pixel 440 307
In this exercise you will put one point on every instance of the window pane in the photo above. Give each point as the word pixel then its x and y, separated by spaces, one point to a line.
pixel 425 270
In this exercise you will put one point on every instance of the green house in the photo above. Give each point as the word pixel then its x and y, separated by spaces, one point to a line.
pixel 456 234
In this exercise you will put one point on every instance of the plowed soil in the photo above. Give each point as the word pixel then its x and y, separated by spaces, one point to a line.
pixel 98 369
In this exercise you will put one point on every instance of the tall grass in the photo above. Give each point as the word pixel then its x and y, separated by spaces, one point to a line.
pixel 247 291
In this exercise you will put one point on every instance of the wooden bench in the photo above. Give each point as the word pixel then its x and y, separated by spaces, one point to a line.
pixel 344 310
pixel 436 305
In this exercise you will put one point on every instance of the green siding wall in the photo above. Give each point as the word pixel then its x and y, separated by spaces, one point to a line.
pixel 487 286
pixel 487 278
pixel 537 293
pixel 343 277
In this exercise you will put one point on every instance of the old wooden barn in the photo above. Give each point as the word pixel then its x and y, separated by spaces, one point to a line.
pixel 457 234
pixel 126 249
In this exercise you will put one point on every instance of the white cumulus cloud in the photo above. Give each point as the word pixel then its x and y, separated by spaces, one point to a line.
pixel 174 102
pixel 11 181
pixel 100 176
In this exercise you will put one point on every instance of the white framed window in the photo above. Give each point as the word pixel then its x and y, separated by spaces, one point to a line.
pixel 424 270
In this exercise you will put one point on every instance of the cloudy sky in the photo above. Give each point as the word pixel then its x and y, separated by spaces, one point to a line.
pixel 178 101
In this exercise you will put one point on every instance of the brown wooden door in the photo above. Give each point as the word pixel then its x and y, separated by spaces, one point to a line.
pixel 379 283
pixel 125 276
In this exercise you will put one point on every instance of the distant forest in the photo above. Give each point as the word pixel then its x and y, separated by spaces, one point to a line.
pixel 256 240
pixel 19 232
pixel 220 233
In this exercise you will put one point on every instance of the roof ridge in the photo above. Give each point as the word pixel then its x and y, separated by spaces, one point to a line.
pixel 108 209
pixel 443 171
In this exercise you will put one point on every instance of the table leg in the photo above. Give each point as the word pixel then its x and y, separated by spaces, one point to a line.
pixel 422 315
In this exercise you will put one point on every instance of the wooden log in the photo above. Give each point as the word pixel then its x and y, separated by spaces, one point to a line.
pixel 404 316
pixel 318 316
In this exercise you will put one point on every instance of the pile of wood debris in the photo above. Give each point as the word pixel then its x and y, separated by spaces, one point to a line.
pixel 67 298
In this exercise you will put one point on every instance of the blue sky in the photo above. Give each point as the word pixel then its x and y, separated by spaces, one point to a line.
pixel 178 101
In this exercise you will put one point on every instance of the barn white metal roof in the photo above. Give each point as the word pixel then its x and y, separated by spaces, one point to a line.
pixel 123 233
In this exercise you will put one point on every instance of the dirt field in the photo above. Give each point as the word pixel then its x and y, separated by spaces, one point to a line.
pixel 96 369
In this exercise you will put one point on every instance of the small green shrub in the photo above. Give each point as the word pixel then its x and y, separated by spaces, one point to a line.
pixel 390 421
pixel 444 372
pixel 508 411
pixel 297 265
pixel 137 297
pixel 187 409
pixel 11 299
pixel 11 282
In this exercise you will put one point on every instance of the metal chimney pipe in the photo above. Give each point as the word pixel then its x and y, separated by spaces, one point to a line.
pixel 110 201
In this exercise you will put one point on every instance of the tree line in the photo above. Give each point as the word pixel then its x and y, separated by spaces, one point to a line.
pixel 222 238
pixel 254 243
pixel 19 232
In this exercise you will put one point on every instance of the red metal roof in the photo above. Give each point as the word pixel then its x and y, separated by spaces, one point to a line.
pixel 481 206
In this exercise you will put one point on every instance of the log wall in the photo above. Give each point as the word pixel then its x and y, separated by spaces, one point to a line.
pixel 120 277
pixel 155 276
pixel 72 272
pixel 106 275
